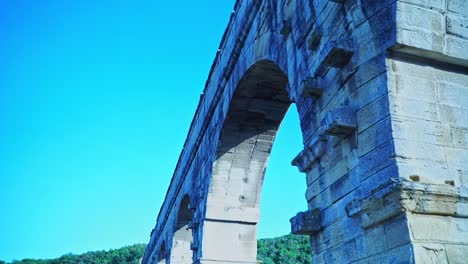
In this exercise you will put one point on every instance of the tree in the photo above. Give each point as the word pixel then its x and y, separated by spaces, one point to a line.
pixel 282 250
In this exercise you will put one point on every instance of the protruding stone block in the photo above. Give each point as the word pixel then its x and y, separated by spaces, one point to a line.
pixel 353 208
pixel 340 122
pixel 305 160
pixel 312 87
pixel 306 223
pixel 337 54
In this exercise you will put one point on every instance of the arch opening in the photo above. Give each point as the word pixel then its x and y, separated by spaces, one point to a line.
pixel 181 252
pixel 257 108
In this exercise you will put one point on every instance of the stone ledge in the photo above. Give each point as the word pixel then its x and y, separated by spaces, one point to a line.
pixel 307 158
pixel 340 122
pixel 312 87
pixel 397 196
pixel 432 55
pixel 336 54
pixel 306 223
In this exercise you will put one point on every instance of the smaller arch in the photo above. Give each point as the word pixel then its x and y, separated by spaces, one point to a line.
pixel 181 252
pixel 162 254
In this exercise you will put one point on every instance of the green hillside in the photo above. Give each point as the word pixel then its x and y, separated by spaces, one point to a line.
pixel 285 250
pixel 282 250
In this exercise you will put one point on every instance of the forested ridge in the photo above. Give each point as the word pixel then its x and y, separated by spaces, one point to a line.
pixel 282 250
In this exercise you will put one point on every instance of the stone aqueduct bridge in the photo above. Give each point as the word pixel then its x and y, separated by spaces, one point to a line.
pixel 381 87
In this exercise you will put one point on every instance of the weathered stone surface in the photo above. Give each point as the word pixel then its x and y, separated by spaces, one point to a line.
pixel 306 223
pixel 340 122
pixel 311 154
pixel 312 87
pixel 381 88
pixel 456 253
pixel 337 54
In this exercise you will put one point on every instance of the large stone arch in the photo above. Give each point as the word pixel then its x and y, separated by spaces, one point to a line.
pixel 255 112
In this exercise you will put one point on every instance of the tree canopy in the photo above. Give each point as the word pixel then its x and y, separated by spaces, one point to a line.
pixel 282 250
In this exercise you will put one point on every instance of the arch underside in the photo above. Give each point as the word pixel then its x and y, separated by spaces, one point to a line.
pixel 257 108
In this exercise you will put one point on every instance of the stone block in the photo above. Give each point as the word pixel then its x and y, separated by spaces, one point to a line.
pixel 430 199
pixel 453 114
pixel 412 149
pixel 304 160
pixel 397 232
pixel 438 228
pixel 457 158
pixel 458 6
pixel 313 175
pixel 413 87
pixel 306 223
pixel 456 254
pixel 374 136
pixel 346 253
pixel 371 242
pixel 340 122
pixel 403 254
pixel 420 19
pixel 312 87
pixel 462 208
pixel 309 156
pixel 337 54
pixel 420 130
pixel 381 206
pixel 430 253
pixel 330 177
pixel 457 47
pixel 373 113
pixel 425 171
pixel 354 207
pixel 457 25
pixel 438 5
pixel 455 94
pixel 329 237
pixel 361 95
pixel 415 108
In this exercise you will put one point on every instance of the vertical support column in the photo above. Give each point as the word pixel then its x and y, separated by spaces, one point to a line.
pixel 229 242
pixel 429 109
pixel 428 80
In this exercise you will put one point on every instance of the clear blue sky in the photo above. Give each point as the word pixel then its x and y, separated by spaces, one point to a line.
pixel 96 98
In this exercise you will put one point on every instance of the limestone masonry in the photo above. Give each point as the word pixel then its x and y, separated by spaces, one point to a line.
pixel 381 87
